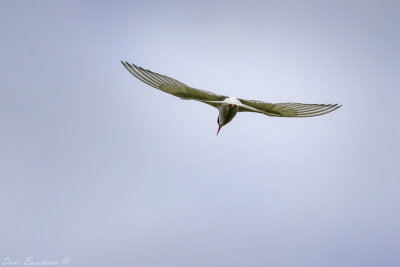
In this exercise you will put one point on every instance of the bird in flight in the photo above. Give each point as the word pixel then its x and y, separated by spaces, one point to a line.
pixel 227 107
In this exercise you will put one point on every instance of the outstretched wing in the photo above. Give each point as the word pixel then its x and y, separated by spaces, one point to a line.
pixel 287 109
pixel 172 86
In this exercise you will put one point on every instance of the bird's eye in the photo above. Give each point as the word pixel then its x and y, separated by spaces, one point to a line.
pixel 218 119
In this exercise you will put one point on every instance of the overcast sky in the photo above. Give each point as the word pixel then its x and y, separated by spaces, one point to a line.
pixel 102 169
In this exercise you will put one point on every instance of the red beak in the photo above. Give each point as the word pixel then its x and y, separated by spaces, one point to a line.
pixel 219 128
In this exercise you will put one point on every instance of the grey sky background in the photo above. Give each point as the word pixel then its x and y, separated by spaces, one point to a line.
pixel 101 168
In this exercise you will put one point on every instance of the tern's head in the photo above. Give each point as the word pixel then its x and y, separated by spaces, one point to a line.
pixel 226 113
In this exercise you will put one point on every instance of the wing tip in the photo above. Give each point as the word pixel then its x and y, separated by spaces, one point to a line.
pixel 131 65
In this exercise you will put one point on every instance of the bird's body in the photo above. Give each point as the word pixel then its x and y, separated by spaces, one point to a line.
pixel 227 107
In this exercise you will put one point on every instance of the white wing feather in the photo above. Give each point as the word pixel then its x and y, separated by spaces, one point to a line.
pixel 287 109
pixel 172 86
